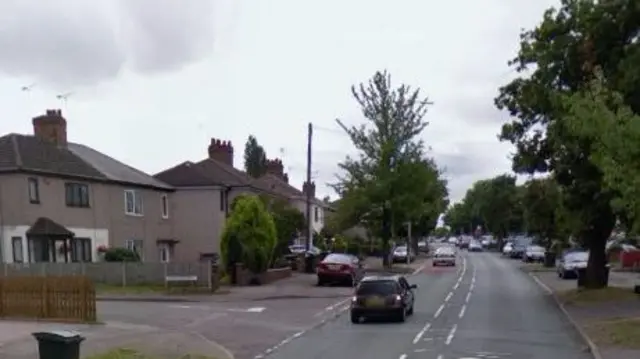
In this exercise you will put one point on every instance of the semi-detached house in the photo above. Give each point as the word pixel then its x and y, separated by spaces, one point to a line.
pixel 205 189
pixel 60 201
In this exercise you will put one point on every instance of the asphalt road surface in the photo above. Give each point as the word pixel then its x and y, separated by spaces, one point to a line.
pixel 485 308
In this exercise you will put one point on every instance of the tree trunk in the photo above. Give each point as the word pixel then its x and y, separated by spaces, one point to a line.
pixel 386 235
pixel 596 240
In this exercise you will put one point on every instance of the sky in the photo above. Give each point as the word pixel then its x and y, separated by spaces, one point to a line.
pixel 150 82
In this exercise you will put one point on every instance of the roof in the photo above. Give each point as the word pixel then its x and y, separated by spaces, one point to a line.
pixel 208 172
pixel 47 227
pixel 23 153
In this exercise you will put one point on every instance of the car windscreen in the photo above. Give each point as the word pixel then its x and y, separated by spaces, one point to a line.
pixel 378 287
pixel 577 257
pixel 338 258
pixel 401 249
pixel 535 249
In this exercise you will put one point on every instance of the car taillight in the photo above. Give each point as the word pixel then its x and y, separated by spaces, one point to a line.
pixel 345 267
pixel 322 266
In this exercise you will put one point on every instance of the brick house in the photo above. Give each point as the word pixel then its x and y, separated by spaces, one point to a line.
pixel 205 189
pixel 60 201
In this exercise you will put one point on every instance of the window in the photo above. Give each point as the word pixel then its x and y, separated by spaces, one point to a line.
pixel 136 246
pixel 164 250
pixel 81 250
pixel 18 254
pixel 315 214
pixel 133 203
pixel 77 195
pixel 34 191
pixel 165 206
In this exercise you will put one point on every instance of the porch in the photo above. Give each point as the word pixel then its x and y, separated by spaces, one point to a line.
pixel 51 242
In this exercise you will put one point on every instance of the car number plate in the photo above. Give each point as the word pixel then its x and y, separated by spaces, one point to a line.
pixel 334 267
pixel 375 302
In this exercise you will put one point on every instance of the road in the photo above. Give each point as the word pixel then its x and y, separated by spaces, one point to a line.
pixel 485 308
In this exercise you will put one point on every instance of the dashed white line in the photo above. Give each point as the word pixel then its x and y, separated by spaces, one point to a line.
pixel 468 297
pixel 440 356
pixel 462 310
pixel 403 356
pixel 448 296
pixel 457 285
pixel 439 311
pixel 421 333
pixel 452 333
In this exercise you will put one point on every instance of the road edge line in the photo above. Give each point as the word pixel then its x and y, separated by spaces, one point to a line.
pixel 593 348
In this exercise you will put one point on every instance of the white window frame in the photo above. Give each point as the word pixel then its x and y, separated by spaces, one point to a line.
pixel 136 201
pixel 164 251
pixel 164 204
pixel 136 245
pixel 17 249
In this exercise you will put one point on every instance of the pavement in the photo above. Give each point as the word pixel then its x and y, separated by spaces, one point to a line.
pixel 483 308
pixel 586 316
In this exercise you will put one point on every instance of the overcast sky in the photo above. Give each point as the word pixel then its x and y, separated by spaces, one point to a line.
pixel 151 81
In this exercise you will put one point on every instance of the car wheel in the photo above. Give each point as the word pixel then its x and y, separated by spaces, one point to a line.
pixel 559 275
pixel 402 316
pixel 355 319
pixel 410 311
pixel 351 281
pixel 435 264
pixel 321 281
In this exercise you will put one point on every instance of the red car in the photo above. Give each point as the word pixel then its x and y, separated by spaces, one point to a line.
pixel 339 267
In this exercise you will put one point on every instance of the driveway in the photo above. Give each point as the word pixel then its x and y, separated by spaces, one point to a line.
pixel 485 308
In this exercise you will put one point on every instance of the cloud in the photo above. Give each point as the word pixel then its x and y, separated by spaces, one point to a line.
pixel 78 42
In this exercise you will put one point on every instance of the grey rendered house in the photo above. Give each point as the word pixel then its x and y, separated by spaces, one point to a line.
pixel 205 189
pixel 61 201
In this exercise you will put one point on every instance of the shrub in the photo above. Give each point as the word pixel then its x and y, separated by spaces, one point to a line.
pixel 121 255
pixel 249 235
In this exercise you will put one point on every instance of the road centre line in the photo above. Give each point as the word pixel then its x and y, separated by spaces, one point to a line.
pixel 462 310
pixel 452 333
pixel 421 333
pixel 448 296
pixel 439 311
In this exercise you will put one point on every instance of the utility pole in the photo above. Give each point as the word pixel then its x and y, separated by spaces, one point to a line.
pixel 308 192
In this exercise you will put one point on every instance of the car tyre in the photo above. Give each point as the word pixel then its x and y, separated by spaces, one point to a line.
pixel 410 311
pixel 321 281
pixel 402 316
pixel 355 319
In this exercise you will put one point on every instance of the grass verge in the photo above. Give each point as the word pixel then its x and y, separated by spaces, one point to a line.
pixel 622 332
pixel 589 296
pixel 122 353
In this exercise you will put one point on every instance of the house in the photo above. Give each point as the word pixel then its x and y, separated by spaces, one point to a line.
pixel 205 190
pixel 60 201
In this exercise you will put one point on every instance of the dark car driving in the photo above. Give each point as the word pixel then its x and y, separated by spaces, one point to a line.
pixel 382 297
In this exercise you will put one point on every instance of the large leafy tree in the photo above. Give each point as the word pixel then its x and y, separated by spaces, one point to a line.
pixel 255 158
pixel 249 236
pixel 390 181
pixel 542 202
pixel 459 218
pixel 555 59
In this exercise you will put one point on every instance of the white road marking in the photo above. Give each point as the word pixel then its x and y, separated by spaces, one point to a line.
pixel 437 314
pixel 421 333
pixel 457 285
pixel 471 287
pixel 403 356
pixel 248 310
pixel 440 356
pixel 448 297
pixel 468 297
pixel 419 269
pixel 462 310
pixel 452 333
pixel 420 350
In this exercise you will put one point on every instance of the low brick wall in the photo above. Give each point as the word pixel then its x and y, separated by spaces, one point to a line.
pixel 244 277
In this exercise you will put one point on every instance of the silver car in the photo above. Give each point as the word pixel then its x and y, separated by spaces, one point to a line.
pixel 444 256
pixel 401 254
pixel 533 254
pixel 570 262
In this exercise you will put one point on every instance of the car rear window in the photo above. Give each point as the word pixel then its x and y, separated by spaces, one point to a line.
pixel 338 258
pixel 379 287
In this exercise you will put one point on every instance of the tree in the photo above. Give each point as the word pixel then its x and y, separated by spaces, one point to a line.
pixel 390 180
pixel 249 236
pixel 542 202
pixel 441 232
pixel 459 218
pixel 556 59
pixel 289 222
pixel 255 158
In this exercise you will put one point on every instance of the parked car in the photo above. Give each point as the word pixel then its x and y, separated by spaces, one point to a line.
pixel 340 267
pixel 475 246
pixel 453 240
pixel 444 256
pixel 402 253
pixel 301 248
pixel 570 262
pixel 506 250
pixel 520 247
pixel 423 247
pixel 463 242
pixel 383 296
pixel 533 254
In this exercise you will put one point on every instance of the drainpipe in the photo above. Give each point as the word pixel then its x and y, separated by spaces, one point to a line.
pixel 2 251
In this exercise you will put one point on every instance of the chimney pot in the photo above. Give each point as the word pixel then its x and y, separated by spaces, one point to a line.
pixel 221 151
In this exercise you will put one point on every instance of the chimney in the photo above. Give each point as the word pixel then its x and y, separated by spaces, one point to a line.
pixel 51 127
pixel 285 177
pixel 221 151
pixel 276 168
pixel 309 188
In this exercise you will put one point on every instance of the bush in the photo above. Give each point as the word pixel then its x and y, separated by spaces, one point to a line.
pixel 121 255
pixel 249 235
